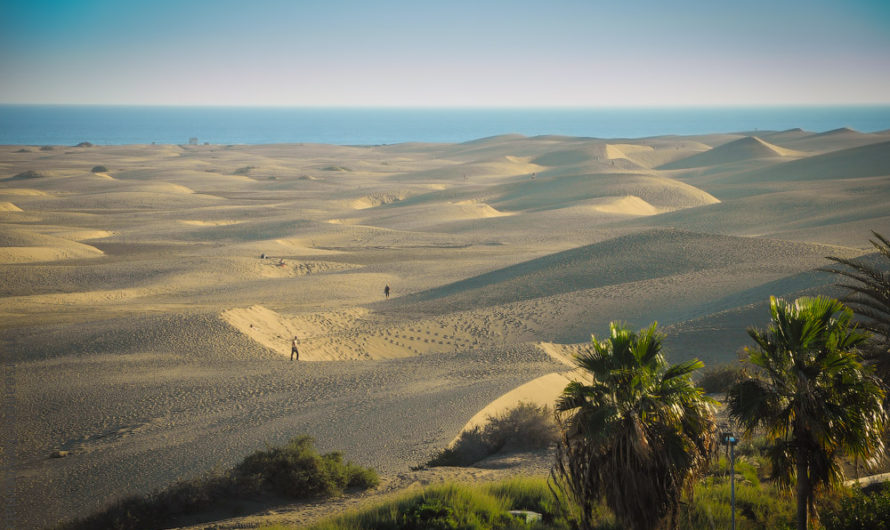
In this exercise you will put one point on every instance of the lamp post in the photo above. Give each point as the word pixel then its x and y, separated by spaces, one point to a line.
pixel 729 439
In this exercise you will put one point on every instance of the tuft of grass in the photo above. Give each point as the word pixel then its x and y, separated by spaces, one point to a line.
pixel 757 505
pixel 525 427
pixel 99 169
pixel 243 170
pixel 294 470
pixel 451 506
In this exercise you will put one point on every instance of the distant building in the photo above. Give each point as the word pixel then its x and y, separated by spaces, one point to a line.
pixel 193 140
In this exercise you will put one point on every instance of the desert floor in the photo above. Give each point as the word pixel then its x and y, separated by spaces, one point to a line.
pixel 143 333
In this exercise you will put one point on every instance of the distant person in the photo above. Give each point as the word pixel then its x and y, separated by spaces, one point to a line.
pixel 294 352
pixel 386 291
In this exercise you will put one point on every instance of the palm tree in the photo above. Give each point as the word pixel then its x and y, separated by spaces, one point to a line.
pixel 870 299
pixel 637 435
pixel 810 394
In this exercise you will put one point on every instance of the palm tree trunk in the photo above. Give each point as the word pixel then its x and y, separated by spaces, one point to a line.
pixel 803 491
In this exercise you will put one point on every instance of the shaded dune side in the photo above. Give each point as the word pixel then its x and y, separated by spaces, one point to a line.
pixel 576 188
pixel 650 254
pixel 23 246
pixel 197 336
pixel 866 161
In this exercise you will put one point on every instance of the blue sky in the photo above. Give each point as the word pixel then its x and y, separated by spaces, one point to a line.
pixel 450 53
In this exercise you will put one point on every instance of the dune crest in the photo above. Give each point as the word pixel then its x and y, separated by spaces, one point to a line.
pixel 9 207
pixel 741 150
pixel 627 205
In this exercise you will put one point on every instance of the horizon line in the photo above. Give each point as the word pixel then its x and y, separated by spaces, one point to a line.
pixel 456 107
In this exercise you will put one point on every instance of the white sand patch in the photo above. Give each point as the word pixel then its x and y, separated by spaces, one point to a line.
pixel 628 205
pixel 37 254
pixel 292 246
pixel 83 235
pixel 627 151
pixel 376 199
pixel 349 334
pixel 480 210
pixel 24 192
pixel 563 353
pixel 264 326
pixel 9 207
pixel 195 222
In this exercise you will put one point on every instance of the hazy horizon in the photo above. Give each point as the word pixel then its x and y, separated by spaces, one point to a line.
pixel 571 54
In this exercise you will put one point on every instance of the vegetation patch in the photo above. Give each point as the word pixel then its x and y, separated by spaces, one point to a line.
pixel 451 506
pixel 99 169
pixel 295 470
pixel 719 379
pixel 243 171
pixel 859 510
pixel 26 175
pixel 524 428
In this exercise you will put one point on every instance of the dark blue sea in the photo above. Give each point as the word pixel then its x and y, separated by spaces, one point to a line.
pixel 115 125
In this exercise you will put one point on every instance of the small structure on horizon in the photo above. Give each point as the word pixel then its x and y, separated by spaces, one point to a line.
pixel 193 140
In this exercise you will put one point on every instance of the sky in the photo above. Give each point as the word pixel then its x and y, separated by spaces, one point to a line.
pixel 448 53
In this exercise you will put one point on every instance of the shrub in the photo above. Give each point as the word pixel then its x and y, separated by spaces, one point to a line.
pixel 297 470
pixel 859 511
pixel 25 175
pixel 243 170
pixel 99 169
pixel 46 148
pixel 84 144
pixel 525 427
pixel 718 379
pixel 294 470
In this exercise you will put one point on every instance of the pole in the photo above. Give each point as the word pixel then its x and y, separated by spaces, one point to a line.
pixel 732 479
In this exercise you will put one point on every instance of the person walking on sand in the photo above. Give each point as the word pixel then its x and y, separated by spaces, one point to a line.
pixel 294 352
pixel 386 291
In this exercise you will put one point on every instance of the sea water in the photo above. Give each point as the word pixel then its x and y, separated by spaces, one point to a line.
pixel 116 125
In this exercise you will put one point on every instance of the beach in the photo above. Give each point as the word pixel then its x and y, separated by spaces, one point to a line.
pixel 150 293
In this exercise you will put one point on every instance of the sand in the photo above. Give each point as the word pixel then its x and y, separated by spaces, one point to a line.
pixel 143 332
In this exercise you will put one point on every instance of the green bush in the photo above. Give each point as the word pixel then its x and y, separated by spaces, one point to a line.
pixel 859 511
pixel 525 427
pixel 297 470
pixel 294 470
pixel 99 169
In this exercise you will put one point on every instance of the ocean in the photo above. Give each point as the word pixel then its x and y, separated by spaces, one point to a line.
pixel 117 125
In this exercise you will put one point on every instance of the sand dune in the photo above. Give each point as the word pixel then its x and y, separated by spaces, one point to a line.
pixel 741 150
pixel 151 339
